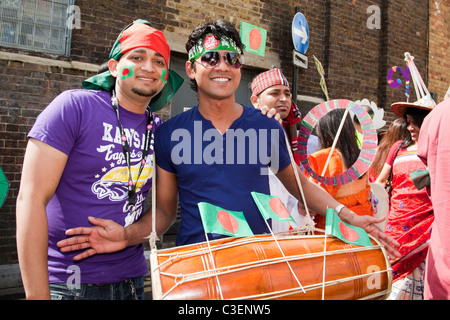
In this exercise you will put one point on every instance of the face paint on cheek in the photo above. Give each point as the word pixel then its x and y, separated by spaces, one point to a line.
pixel 126 71
pixel 163 76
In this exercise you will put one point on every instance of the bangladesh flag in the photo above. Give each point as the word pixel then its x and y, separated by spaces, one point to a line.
pixel 254 38
pixel 126 71
pixel 347 233
pixel 225 222
pixel 271 207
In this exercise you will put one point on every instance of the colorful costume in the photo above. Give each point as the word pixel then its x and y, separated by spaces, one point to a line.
pixel 359 201
pixel 410 213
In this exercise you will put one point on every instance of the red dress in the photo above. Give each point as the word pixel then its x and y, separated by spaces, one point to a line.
pixel 410 212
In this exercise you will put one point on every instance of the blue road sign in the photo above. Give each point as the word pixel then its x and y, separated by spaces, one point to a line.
pixel 300 33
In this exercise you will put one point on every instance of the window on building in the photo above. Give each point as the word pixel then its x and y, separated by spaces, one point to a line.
pixel 36 25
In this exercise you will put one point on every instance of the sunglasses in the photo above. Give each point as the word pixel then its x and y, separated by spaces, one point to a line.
pixel 211 59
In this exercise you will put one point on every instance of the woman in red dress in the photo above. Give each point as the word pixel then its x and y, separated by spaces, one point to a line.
pixel 410 211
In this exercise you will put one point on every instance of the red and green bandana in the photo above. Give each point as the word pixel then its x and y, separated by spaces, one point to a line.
pixel 212 42
pixel 268 79
pixel 138 34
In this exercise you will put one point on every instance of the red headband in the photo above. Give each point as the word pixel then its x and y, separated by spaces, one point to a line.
pixel 141 35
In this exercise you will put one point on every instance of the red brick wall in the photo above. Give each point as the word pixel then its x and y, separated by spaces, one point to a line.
pixel 439 46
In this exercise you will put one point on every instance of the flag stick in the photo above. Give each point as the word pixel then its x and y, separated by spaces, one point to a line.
pixel 214 266
pixel 284 256
pixel 324 268
pixel 324 260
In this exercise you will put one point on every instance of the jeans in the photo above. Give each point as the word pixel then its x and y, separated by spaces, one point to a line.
pixel 130 289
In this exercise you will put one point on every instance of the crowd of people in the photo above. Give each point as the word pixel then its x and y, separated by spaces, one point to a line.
pixel 88 169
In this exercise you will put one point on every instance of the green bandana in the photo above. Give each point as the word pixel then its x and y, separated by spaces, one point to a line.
pixel 140 33
pixel 212 43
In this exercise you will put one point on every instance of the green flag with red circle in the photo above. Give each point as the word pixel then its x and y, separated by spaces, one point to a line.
pixel 126 71
pixel 254 38
pixel 271 207
pixel 218 220
pixel 345 232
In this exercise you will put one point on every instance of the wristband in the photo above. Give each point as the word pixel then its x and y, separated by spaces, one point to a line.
pixel 339 208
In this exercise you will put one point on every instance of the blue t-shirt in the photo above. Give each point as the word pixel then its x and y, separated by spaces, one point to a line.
pixel 219 169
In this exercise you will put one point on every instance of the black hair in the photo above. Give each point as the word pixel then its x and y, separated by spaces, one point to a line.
pixel 347 144
pixel 218 28
pixel 418 116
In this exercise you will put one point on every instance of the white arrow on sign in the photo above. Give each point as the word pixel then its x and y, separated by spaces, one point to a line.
pixel 302 34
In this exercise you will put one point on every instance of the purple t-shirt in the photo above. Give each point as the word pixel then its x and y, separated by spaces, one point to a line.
pixel 84 125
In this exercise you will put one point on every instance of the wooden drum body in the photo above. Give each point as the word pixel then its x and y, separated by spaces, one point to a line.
pixel 254 268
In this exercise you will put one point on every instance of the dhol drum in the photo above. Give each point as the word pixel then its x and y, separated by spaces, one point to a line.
pixel 255 268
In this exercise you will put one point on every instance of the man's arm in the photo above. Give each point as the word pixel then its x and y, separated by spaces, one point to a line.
pixel 166 210
pixel 319 201
pixel 107 236
pixel 42 169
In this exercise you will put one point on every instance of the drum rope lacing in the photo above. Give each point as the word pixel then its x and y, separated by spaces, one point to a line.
pixel 195 276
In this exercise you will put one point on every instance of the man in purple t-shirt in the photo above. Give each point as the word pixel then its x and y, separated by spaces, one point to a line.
pixel 90 155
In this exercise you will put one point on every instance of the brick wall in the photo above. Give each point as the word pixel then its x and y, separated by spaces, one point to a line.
pixel 355 58
pixel 439 63
pixel 26 89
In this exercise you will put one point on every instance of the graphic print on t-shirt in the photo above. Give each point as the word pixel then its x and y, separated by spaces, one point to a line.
pixel 112 179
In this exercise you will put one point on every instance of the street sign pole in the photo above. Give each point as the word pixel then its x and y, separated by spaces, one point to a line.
pixel 294 77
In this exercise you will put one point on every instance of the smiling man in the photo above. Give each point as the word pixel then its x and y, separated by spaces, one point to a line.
pixel 89 154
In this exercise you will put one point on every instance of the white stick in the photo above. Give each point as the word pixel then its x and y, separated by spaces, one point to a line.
pixel 297 178
pixel 333 147
pixel 324 265
pixel 284 256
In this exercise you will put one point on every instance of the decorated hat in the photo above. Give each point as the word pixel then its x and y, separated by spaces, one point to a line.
pixel 268 79
pixel 140 33
pixel 424 102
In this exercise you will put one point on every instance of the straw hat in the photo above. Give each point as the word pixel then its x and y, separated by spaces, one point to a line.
pixel 424 102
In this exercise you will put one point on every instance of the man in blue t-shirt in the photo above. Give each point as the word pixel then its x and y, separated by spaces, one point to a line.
pixel 218 152
pixel 220 169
